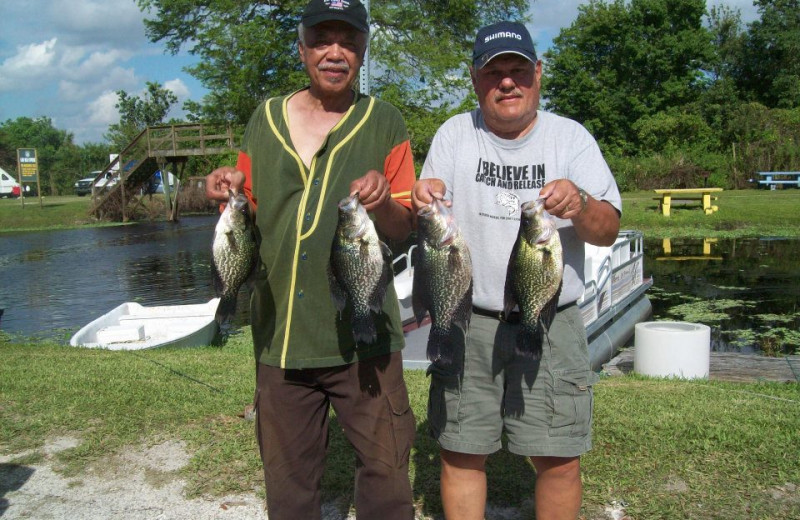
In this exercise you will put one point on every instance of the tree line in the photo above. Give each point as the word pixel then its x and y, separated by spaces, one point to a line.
pixel 676 95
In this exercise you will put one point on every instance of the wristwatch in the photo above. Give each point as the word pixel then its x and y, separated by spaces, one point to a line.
pixel 584 198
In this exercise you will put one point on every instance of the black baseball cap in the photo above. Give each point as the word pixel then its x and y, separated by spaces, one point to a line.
pixel 502 38
pixel 348 11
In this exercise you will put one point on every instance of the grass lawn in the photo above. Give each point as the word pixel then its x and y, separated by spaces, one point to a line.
pixel 667 449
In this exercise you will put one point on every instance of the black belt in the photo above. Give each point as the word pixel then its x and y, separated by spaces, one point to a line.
pixel 512 318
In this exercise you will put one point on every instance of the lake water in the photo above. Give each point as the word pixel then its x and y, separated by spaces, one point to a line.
pixel 54 282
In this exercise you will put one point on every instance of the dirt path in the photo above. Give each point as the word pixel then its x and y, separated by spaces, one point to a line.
pixel 142 485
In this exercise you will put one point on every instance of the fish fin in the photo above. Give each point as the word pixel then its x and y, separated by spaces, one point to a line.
pixel 509 298
pixel 455 259
pixel 463 312
pixel 385 250
pixel 379 294
pixel 441 349
pixel 363 328
pixel 548 312
pixel 529 341
pixel 226 309
pixel 251 275
pixel 216 280
pixel 232 242
pixel 418 304
pixel 338 294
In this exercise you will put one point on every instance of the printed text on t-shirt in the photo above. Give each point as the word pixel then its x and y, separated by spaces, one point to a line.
pixel 505 176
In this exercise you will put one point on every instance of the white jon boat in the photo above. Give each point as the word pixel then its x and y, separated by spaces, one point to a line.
pixel 131 326
pixel 613 302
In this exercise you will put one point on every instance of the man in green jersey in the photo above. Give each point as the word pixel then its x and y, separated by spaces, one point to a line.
pixel 301 154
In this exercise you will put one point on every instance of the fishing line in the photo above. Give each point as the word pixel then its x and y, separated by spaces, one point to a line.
pixel 177 373
pixel 756 394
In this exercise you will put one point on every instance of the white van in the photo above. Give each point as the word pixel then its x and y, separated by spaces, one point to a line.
pixel 8 186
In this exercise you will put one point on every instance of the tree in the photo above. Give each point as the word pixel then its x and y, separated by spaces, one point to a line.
pixel 769 63
pixel 418 51
pixel 622 61
pixel 50 143
pixel 137 113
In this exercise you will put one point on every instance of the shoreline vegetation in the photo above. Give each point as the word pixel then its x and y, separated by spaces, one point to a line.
pixel 663 448
pixel 742 213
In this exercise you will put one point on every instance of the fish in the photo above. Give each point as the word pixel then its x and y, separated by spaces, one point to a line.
pixel 533 278
pixel 442 283
pixel 234 253
pixel 359 268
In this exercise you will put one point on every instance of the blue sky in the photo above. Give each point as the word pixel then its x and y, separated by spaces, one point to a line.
pixel 65 59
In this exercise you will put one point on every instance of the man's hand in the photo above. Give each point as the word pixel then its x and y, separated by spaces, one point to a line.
pixel 425 190
pixel 221 180
pixel 373 190
pixel 562 199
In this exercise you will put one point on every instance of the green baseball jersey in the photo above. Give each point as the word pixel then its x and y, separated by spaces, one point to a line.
pixel 294 321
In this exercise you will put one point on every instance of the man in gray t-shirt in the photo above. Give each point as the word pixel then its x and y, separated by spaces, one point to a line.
pixel 486 163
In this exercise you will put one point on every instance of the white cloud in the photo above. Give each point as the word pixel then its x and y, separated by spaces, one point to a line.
pixel 102 111
pixel 99 23
pixel 76 89
pixel 179 88
pixel 28 65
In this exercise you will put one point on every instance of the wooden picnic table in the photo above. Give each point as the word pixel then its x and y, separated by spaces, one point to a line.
pixel 666 196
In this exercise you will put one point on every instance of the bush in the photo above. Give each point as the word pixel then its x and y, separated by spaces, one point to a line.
pixel 674 171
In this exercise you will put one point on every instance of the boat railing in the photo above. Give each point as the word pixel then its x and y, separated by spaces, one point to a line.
pixel 404 282
pixel 617 274
pixel 403 261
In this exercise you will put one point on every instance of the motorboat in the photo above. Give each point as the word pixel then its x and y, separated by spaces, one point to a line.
pixel 613 302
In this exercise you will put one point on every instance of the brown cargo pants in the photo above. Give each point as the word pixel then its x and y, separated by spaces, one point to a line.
pixel 371 405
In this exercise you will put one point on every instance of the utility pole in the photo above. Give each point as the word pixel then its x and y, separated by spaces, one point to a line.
pixel 363 77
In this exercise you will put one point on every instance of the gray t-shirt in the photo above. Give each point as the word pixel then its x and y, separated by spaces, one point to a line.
pixel 488 178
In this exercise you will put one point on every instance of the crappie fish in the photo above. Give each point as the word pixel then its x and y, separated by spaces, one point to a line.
pixel 533 278
pixel 235 253
pixel 442 278
pixel 360 268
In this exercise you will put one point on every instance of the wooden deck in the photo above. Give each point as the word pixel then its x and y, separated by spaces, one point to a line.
pixel 727 366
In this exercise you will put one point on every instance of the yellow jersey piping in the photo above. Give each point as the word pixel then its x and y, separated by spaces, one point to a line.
pixel 302 208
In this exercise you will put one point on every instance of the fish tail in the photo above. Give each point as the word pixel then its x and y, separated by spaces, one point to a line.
pixel 441 347
pixel 226 309
pixel 364 328
pixel 529 342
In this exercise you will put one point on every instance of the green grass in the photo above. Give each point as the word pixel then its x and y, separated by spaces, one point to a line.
pixel 668 449
pixel 742 213
pixel 53 213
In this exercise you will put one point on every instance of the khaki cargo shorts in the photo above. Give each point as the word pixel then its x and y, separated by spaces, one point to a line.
pixel 544 407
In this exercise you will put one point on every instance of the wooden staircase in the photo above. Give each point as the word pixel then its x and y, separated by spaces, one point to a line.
pixel 151 150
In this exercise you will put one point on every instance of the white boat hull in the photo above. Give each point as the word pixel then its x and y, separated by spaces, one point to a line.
pixel 131 326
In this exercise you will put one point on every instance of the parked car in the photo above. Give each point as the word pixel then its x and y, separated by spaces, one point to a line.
pixel 84 186
pixel 108 181
pixel 155 185
pixel 8 186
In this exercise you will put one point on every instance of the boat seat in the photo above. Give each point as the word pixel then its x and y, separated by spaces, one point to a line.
pixel 119 333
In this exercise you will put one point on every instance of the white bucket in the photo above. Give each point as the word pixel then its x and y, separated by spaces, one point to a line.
pixel 672 349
